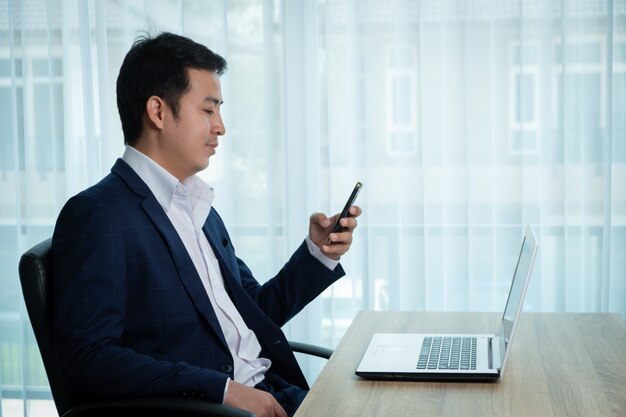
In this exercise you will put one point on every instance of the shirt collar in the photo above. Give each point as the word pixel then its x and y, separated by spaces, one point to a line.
pixel 162 183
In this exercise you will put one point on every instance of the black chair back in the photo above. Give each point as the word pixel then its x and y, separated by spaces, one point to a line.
pixel 35 274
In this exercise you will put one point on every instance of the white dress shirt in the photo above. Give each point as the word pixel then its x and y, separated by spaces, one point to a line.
pixel 187 205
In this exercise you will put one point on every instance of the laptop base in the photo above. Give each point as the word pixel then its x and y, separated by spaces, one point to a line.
pixel 428 377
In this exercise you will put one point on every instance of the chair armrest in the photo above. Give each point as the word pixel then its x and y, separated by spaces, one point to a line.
pixel 156 407
pixel 182 407
pixel 309 349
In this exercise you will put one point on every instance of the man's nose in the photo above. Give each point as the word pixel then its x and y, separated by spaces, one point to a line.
pixel 218 127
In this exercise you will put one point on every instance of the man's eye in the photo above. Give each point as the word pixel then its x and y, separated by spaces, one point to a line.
pixel 209 111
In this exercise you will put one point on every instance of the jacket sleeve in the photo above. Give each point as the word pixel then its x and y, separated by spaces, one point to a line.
pixel 298 282
pixel 89 298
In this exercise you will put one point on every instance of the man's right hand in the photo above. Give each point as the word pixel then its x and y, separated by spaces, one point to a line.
pixel 258 402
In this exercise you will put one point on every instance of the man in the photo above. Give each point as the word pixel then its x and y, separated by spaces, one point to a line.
pixel 149 296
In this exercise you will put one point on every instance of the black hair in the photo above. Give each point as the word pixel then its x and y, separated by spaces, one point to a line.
pixel 158 66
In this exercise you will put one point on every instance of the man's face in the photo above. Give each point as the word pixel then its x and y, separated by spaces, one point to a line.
pixel 191 138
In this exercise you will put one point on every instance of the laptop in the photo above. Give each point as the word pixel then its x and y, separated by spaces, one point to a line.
pixel 453 357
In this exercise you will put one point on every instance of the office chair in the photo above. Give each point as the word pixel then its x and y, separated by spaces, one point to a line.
pixel 34 271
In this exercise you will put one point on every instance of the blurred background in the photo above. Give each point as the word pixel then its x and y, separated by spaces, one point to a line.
pixel 465 119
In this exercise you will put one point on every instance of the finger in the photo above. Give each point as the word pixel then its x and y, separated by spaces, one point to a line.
pixel 341 237
pixel 349 223
pixel 279 411
pixel 336 250
pixel 329 251
pixel 339 244
pixel 355 211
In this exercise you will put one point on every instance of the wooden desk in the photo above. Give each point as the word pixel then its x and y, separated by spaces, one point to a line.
pixel 560 365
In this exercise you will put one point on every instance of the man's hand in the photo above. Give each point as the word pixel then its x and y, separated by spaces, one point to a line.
pixel 260 403
pixel 320 227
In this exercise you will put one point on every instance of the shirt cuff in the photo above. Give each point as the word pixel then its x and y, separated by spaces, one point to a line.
pixel 225 389
pixel 316 252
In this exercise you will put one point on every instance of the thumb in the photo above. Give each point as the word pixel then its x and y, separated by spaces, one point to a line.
pixel 319 218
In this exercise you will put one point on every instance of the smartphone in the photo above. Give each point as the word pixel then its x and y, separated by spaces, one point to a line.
pixel 344 213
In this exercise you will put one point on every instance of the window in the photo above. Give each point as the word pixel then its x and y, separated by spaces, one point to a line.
pixel 579 98
pixel 524 106
pixel 401 108
pixel 619 101
pixel 39 114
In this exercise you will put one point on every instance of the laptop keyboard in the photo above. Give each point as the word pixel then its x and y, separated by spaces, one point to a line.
pixel 448 353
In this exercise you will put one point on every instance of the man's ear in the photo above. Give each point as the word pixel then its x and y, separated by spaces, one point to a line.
pixel 155 107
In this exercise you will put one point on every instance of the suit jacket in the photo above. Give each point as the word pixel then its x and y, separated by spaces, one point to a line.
pixel 131 317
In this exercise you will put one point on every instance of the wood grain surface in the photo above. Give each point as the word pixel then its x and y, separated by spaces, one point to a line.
pixel 561 364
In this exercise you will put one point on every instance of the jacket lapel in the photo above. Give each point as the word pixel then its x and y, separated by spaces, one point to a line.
pixel 184 265
pixel 219 243
pixel 252 315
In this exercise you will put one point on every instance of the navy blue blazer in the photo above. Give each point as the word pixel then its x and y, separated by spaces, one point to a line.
pixel 131 317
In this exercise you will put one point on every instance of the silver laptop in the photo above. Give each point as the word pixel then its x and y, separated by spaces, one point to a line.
pixel 453 357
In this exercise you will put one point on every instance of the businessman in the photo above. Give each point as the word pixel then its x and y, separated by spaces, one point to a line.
pixel 149 296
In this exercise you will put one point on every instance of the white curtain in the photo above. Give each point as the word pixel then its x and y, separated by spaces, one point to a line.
pixel 464 119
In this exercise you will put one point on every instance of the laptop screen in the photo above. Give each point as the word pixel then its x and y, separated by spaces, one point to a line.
pixel 515 301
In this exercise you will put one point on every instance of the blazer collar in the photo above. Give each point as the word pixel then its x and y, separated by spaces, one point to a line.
pixel 130 177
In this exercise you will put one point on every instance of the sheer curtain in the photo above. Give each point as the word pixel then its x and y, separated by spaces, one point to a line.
pixel 464 119
pixel 467 120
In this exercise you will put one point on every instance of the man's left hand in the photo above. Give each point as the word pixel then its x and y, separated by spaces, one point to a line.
pixel 320 227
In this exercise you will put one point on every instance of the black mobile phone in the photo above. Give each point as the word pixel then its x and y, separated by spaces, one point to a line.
pixel 344 213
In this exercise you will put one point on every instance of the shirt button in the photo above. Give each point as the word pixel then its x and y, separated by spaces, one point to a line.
pixel 227 368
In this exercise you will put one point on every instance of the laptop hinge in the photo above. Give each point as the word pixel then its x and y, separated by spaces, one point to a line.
pixel 494 353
